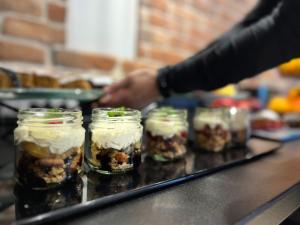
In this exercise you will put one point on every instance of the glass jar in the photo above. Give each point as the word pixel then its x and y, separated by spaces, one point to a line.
pixel 212 131
pixel 49 147
pixel 166 133
pixel 115 140
pixel 239 126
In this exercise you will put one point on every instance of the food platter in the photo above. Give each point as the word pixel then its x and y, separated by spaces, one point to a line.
pixel 282 135
pixel 95 190
pixel 49 93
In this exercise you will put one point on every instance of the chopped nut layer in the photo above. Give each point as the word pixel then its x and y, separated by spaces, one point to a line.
pixel 169 149
pixel 37 167
pixel 114 161
pixel 213 139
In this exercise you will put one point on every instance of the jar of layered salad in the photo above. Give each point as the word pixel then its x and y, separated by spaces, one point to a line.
pixel 240 126
pixel 49 147
pixel 166 133
pixel 115 140
pixel 212 130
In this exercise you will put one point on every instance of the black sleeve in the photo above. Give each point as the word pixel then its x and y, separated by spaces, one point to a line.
pixel 262 9
pixel 265 44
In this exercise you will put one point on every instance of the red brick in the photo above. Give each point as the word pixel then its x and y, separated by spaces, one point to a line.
pixel 157 4
pixel 184 44
pixel 158 20
pixel 160 38
pixel 33 30
pixel 32 7
pixel 169 57
pixel 200 36
pixel 183 13
pixel 129 66
pixel 142 50
pixel 12 51
pixel 84 60
pixel 56 12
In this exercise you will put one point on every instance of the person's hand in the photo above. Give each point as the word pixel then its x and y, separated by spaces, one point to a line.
pixel 136 90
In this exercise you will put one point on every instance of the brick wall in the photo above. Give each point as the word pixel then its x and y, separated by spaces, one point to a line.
pixel 33 31
pixel 171 30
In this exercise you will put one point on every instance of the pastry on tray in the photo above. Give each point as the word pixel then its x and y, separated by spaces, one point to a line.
pixel 26 80
pixel 81 84
pixel 266 120
pixel 44 81
pixel 5 80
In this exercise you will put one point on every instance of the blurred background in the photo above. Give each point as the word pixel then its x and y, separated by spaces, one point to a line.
pixel 100 41
pixel 112 37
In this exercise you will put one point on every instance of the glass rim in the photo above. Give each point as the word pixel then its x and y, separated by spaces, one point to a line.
pixel 103 113
pixel 62 111
pixel 175 113
pixel 44 116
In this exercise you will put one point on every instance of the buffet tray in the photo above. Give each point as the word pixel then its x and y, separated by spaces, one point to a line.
pixel 49 93
pixel 20 206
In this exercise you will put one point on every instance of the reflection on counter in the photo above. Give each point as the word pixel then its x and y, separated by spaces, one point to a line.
pixel 100 185
pixel 95 186
pixel 30 202
pixel 155 171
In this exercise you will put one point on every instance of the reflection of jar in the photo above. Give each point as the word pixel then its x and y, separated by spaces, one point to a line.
pixel 99 185
pixel 240 126
pixel 166 134
pixel 155 171
pixel 49 147
pixel 115 140
pixel 30 203
pixel 212 132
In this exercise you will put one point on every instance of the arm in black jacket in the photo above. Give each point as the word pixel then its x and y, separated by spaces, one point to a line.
pixel 262 45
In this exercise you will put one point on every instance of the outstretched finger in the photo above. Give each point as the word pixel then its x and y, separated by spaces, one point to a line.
pixel 115 99
pixel 117 85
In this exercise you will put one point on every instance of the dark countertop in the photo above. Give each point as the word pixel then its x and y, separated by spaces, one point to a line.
pixel 222 198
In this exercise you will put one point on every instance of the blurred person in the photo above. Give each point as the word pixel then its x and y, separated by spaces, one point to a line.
pixel 268 36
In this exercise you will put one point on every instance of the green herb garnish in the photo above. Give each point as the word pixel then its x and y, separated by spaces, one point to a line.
pixel 168 110
pixel 117 112
pixel 53 113
pixel 160 158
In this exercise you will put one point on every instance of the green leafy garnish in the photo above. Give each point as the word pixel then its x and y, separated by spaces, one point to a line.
pixel 159 158
pixel 54 110
pixel 168 110
pixel 117 112
pixel 53 113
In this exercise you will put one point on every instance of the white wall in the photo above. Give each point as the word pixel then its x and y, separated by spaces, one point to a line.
pixel 103 26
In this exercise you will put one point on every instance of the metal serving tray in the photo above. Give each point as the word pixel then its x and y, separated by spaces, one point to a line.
pixel 49 93
pixel 19 206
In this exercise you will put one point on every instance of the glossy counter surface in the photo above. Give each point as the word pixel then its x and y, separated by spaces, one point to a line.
pixel 222 198
pixel 225 197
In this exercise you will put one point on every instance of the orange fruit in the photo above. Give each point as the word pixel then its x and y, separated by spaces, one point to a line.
pixel 279 104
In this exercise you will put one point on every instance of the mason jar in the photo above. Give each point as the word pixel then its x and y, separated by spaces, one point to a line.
pixel 49 147
pixel 239 126
pixel 115 135
pixel 212 130
pixel 166 133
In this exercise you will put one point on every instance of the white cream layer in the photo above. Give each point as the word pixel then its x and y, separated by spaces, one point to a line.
pixel 118 136
pixel 164 128
pixel 57 139
pixel 266 114
pixel 202 120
